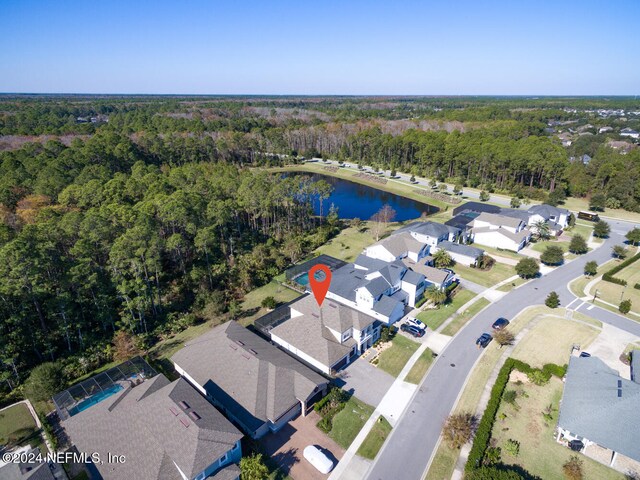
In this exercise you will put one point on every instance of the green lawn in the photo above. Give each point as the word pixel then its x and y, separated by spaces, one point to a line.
pixel 577 204
pixel 550 341
pixel 501 253
pixel 542 245
pixel 487 278
pixel 393 359
pixel 612 292
pixel 375 438
pixel 17 427
pixel 507 287
pixel 350 242
pixel 539 453
pixel 433 318
pixel 349 421
pixel 251 306
pixel 419 369
pixel 461 319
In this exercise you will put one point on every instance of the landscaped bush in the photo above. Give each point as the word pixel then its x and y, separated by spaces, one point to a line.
pixel 512 447
pixel 609 276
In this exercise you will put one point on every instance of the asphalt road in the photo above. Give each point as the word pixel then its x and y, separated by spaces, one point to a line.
pixel 414 438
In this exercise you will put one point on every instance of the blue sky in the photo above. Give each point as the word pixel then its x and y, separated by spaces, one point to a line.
pixel 569 47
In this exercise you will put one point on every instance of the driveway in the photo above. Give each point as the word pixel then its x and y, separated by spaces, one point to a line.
pixel 366 382
pixel 609 345
pixel 286 446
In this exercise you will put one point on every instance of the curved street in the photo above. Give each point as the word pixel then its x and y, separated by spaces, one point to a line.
pixel 414 439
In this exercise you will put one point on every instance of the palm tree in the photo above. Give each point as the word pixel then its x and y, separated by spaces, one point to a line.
pixel 442 259
pixel 435 295
pixel 541 229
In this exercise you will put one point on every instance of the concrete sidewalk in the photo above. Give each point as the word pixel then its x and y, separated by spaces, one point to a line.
pixel 391 407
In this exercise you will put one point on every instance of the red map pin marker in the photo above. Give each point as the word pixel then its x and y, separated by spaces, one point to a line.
pixel 319 287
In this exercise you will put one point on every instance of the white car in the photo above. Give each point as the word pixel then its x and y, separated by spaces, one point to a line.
pixel 318 459
pixel 416 323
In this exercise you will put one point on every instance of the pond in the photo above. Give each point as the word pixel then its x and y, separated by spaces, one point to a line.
pixel 361 201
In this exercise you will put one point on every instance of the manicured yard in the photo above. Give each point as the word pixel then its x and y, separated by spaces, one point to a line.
pixel 393 359
pixel 462 318
pixel 550 341
pixel 542 245
pixel 251 306
pixel 487 278
pixel 375 438
pixel 349 421
pixel 350 242
pixel 417 372
pixel 501 253
pixel 433 318
pixel 17 427
pixel 612 292
pixel 539 453
pixel 507 287
pixel 577 204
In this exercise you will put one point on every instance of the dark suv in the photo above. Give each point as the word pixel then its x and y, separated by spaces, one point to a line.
pixel 411 330
pixel 484 340
pixel 500 323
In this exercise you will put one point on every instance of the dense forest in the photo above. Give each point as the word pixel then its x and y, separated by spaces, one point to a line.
pixel 147 214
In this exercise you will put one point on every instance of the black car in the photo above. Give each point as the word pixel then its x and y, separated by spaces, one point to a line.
pixel 410 329
pixel 500 323
pixel 585 354
pixel 484 340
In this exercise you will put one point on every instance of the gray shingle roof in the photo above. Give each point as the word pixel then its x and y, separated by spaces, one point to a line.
pixel 345 281
pixel 401 243
pixel 517 237
pixel 592 408
pixel 310 333
pixel 499 220
pixel 460 249
pixel 635 366
pixel 230 472
pixel 254 380
pixel 413 278
pixel 386 305
pixel 369 263
pixel 514 213
pixel 547 211
pixel 27 470
pixel 153 431
pixel 377 286
pixel 432 229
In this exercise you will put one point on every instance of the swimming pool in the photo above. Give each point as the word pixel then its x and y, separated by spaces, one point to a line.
pixel 95 399
pixel 304 278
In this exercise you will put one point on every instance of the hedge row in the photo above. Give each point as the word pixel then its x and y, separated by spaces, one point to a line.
pixel 483 434
pixel 609 276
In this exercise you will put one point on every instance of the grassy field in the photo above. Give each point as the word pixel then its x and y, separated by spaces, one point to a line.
pixel 375 438
pixel 486 278
pixel 550 341
pixel 507 287
pixel 350 242
pixel 577 204
pixel 542 245
pixel 501 253
pixel 251 306
pixel 393 359
pixel 613 293
pixel 461 319
pixel 419 369
pixel 433 318
pixel 539 453
pixel 349 421
pixel 17 427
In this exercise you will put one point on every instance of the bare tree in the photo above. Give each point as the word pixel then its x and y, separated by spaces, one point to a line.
pixel 381 219
pixel 459 429
pixel 503 337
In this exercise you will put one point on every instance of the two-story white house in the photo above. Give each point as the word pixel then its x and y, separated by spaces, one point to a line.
pixel 326 337
pixel 556 218
pixel 500 231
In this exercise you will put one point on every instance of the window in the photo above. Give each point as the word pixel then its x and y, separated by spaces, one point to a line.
pixel 200 477
pixel 223 459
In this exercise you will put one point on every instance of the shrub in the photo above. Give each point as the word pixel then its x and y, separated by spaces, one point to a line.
pixel 503 337
pixel 556 370
pixel 552 300
pixel 527 268
pixel 496 473
pixel 591 268
pixel 625 306
pixel 492 456
pixel 45 380
pixel 325 424
pixel 510 396
pixel 48 431
pixel 512 447
pixel 269 302
pixel 458 429
pixel 484 196
pixel 601 229
pixel 553 255
pixel 578 245
pixel 515 202
pixel 572 468
pixel 619 251
pixel 538 377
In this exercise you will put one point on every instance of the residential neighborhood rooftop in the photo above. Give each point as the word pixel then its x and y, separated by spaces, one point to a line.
pixel 599 405
pixel 253 379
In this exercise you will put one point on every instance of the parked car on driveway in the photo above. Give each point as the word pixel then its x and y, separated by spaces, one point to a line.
pixel 318 459
pixel 414 322
pixel 585 354
pixel 484 340
pixel 411 330
pixel 500 323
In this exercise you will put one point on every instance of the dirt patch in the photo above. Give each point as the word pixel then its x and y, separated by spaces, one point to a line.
pixel 516 376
